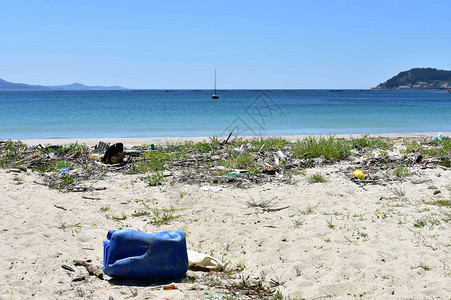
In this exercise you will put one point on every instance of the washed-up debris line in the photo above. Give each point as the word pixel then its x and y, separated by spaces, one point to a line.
pixel 240 162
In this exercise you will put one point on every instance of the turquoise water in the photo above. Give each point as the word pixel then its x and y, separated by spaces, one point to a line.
pixel 180 113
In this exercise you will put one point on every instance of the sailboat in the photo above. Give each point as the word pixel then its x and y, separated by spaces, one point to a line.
pixel 215 95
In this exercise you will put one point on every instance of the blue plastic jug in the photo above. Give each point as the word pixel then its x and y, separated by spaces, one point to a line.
pixel 159 256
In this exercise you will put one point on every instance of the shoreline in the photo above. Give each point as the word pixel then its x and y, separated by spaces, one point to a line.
pixel 174 140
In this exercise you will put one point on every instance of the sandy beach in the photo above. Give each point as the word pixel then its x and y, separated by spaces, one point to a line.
pixel 172 140
pixel 336 239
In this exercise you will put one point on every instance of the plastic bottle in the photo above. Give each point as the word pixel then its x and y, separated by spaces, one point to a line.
pixel 159 256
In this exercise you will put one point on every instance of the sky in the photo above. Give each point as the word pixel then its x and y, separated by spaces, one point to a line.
pixel 146 44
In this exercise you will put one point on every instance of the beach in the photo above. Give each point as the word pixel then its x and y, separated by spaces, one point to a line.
pixel 130 142
pixel 334 238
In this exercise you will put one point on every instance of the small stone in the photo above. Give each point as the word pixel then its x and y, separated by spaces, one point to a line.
pixel 436 192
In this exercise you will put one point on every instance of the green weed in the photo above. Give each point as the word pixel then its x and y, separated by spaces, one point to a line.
pixel 243 161
pixel 401 172
pixel 63 183
pixel 163 216
pixel 441 202
pixel 331 148
pixel 310 209
pixel 423 266
pixel 315 178
pixel 262 203
pixel 411 146
pixel 269 143
pixel 154 179
pixel 105 208
pixel 154 162
pixel 118 218
pixel 372 142
pixel 73 228
pixel 11 152
pixel 383 153
pixel 330 224
pixel 54 166
pixel 18 180
pixel 72 148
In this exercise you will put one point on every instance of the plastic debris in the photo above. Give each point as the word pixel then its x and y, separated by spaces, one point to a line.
pixel 37 155
pixel 95 156
pixel 233 175
pixel 211 188
pixel 115 154
pixel 159 256
pixel 281 155
pixel 238 150
pixel 359 174
pixel 53 147
pixel 64 170
pixel 213 296
pixel 319 160
pixel 132 152
pixel 439 138
pixel 204 261
pixel 171 286
pixel 269 171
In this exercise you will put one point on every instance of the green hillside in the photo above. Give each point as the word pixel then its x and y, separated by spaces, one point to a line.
pixel 419 78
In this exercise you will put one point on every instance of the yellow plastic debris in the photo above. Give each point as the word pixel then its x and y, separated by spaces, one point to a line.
pixel 94 156
pixel 359 174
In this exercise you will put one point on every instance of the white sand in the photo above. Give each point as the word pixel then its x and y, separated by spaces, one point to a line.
pixel 174 140
pixel 337 239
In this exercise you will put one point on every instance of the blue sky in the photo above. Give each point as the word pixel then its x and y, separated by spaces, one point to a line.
pixel 253 44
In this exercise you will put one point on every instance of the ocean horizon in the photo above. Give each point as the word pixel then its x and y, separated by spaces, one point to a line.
pixel 35 114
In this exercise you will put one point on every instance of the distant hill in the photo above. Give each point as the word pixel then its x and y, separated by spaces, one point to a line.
pixel 419 78
pixel 6 85
pixel 79 86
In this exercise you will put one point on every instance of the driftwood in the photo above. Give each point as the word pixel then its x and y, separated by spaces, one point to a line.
pixel 90 268
pixel 91 198
pixel 228 138
pixel 66 267
pixel 60 207
pixel 275 209
pixel 84 189
pixel 36 155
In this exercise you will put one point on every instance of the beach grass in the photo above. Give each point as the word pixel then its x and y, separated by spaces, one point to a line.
pixel 163 216
pixel 331 148
pixel 366 141
pixel 154 179
pixel 54 166
pixel 243 160
pixel 154 162
pixel 71 149
pixel 316 177
pixel 12 151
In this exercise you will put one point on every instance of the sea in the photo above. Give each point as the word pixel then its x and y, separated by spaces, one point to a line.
pixel 192 113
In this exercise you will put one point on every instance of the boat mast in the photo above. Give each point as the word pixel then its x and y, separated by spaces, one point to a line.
pixel 215 81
